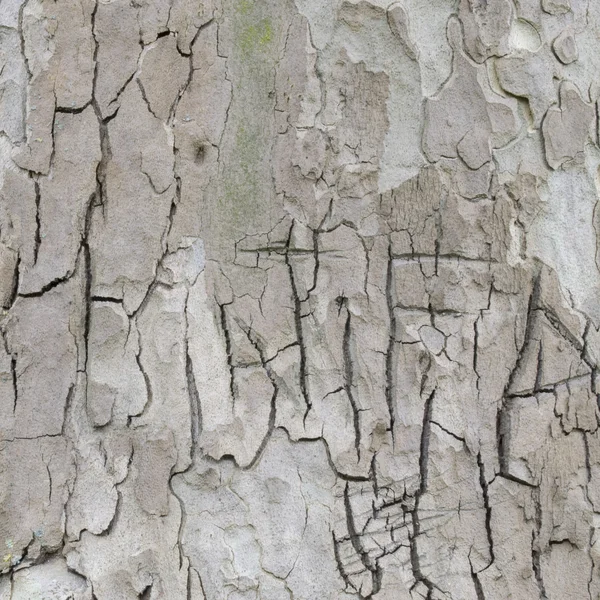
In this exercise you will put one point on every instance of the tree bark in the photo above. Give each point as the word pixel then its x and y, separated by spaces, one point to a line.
pixel 300 299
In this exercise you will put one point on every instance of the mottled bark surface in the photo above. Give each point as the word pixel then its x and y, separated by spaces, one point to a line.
pixel 300 299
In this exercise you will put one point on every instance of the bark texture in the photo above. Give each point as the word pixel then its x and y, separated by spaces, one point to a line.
pixel 300 299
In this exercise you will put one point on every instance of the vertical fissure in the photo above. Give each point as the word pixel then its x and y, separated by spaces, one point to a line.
pixel 228 350
pixel 349 377
pixel 298 326
pixel 390 356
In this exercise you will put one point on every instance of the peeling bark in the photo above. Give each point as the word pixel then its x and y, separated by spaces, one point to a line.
pixel 299 300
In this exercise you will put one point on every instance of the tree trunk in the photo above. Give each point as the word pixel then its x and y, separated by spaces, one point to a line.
pixel 300 299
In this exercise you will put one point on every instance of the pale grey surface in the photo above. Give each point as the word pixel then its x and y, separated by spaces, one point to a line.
pixel 300 299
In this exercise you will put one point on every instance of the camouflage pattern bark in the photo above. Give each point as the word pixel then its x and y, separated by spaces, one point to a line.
pixel 300 299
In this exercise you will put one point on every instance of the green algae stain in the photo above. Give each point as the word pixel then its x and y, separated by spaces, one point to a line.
pixel 242 189
pixel 267 34
pixel 255 36
pixel 253 33
pixel 246 182
pixel 244 6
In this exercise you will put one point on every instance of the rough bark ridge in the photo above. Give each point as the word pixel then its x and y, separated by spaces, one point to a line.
pixel 300 299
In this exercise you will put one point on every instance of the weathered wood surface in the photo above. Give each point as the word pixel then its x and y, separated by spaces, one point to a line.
pixel 301 299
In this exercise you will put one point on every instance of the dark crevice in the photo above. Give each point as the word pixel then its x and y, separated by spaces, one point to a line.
pixel 340 565
pixel 146 592
pixel 298 325
pixel 502 436
pixel 476 583
pixel 516 479
pixel 14 290
pixel 503 413
pixel 189 583
pixel 390 355
pixel 448 432
pixel 339 474
pixel 270 428
pixel 286 347
pixel 488 508
pixel 566 334
pixel 112 105
pixel 414 554
pixel 423 472
pixel 535 549
pixel 228 349
pixel 106 299
pixel 417 256
pixel 145 99
pixel 196 35
pixel 371 565
pixel 49 483
pixel 73 110
pixel 183 519
pixel 38 221
pixel 27 68
pixel 529 324
pixel 105 149
pixel 148 384
pixel 313 287
pixel 15 384
pixel 539 368
pixel 588 467
pixel 52 135
pixel 43 555
pixel 87 262
pixel 349 377
pixel 195 406
pixel 106 156
pixel 67 408
pixel 332 392
pixel 373 474
pixel 258 346
pixel 48 287
pixel 475 352
pixel 425 438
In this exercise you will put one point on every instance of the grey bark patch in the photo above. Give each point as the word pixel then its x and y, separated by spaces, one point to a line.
pixel 299 300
